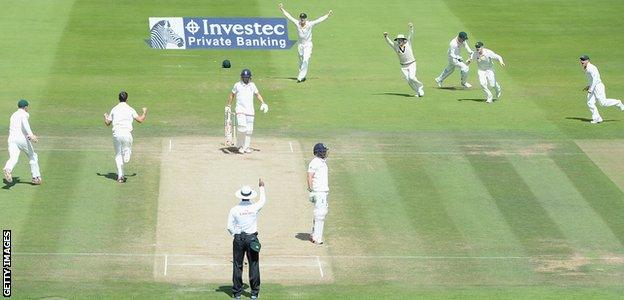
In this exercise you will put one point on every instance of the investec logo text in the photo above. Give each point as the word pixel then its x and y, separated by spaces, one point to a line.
pixel 218 33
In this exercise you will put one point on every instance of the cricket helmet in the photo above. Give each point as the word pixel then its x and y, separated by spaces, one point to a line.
pixel 462 35
pixel 246 73
pixel 320 150
pixel 22 103
pixel 226 64
pixel 584 57
pixel 479 45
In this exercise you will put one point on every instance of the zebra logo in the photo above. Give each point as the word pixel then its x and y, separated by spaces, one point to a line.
pixel 163 34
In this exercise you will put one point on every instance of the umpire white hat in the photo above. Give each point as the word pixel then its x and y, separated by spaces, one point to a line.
pixel 246 193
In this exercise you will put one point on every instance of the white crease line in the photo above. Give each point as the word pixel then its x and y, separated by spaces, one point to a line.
pixel 166 263
pixel 618 256
pixel 318 260
pixel 170 145
pixel 224 264
pixel 291 147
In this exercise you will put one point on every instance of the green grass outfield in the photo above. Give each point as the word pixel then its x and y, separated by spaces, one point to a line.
pixel 440 197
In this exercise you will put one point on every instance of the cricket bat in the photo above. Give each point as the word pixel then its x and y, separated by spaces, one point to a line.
pixel 229 130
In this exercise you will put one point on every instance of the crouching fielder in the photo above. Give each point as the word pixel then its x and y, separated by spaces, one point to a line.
pixel 244 90
pixel 486 74
pixel 456 60
pixel 596 90
pixel 20 138
pixel 403 47
pixel 318 186
pixel 121 116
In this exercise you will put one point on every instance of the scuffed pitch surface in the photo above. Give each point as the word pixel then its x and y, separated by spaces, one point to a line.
pixel 607 155
pixel 197 185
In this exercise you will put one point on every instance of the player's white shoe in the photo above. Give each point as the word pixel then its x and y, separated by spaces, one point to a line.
pixel 7 176
pixel 248 150
pixel 421 92
pixel 241 150
pixel 126 155
pixel 438 82
pixel 596 121
pixel 36 181
pixel 488 101
pixel 466 85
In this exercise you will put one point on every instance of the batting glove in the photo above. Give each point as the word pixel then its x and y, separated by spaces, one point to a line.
pixel 264 107
pixel 311 197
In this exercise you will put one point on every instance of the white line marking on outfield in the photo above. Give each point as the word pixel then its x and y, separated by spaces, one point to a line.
pixel 318 260
pixel 312 265
pixel 615 257
pixel 291 148
pixel 166 263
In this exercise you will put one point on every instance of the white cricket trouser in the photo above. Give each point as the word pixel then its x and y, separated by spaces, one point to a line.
pixel 320 211
pixel 305 52
pixel 17 145
pixel 409 72
pixel 454 63
pixel 123 150
pixel 488 78
pixel 244 125
pixel 600 94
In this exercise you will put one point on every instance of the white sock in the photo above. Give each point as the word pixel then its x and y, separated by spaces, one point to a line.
pixel 119 162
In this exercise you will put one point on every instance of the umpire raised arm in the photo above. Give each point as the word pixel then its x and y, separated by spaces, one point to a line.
pixel 243 225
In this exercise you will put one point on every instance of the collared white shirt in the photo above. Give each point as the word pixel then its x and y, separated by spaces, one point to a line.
pixel 593 76
pixel 406 55
pixel 244 216
pixel 244 97
pixel 122 116
pixel 19 128
pixel 305 32
pixel 320 180
pixel 455 48
pixel 485 59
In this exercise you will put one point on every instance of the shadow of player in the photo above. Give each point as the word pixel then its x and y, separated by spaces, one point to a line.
pixel 472 99
pixel 587 120
pixel 227 289
pixel 304 236
pixel 113 176
pixel 16 180
pixel 234 150
pixel 395 94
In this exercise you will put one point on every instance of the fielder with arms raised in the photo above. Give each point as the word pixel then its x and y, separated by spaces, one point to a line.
pixel 318 186
pixel 596 90
pixel 20 140
pixel 304 29
pixel 403 47
pixel 484 58
pixel 121 116
pixel 244 90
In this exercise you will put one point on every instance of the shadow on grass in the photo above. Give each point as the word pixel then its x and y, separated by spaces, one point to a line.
pixel 113 176
pixel 472 99
pixel 227 289
pixel 286 78
pixel 587 120
pixel 453 88
pixel 395 94
pixel 16 180
pixel 234 150
pixel 304 236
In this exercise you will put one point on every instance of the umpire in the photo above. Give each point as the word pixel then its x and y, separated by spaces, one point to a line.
pixel 243 225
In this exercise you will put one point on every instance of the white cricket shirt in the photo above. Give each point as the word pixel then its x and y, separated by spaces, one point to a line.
pixel 244 97
pixel 406 56
pixel 593 76
pixel 454 49
pixel 320 180
pixel 122 116
pixel 244 216
pixel 19 128
pixel 305 32
pixel 485 60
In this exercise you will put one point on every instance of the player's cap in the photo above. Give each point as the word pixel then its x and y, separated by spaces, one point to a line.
pixel 400 37
pixel 584 57
pixel 246 73
pixel 246 193
pixel 320 150
pixel 478 45
pixel 462 35
pixel 226 64
pixel 303 16
pixel 22 103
